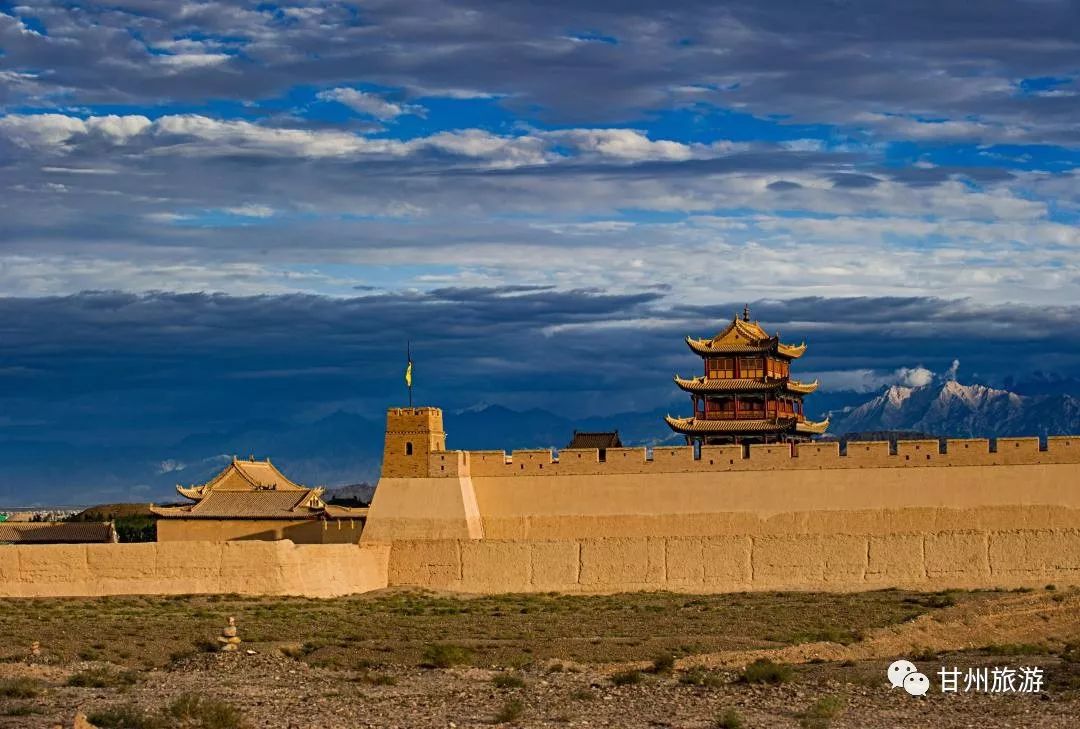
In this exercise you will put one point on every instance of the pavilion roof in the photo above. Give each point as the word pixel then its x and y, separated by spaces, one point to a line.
pixel 736 385
pixel 743 336
pixel 243 475
pixel 765 425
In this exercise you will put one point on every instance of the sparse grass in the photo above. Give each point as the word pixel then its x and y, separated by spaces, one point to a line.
pixel 19 710
pixel 583 694
pixel 189 711
pixel 512 710
pixel 729 719
pixel 445 655
pixel 342 632
pixel 1015 649
pixel 663 663
pixel 127 716
pixel 20 688
pixel 626 678
pixel 819 713
pixel 765 671
pixel 700 677
pixel 192 711
pixel 100 677
pixel 376 679
pixel 508 680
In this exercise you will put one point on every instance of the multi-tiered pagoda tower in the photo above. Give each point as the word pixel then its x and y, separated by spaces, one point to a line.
pixel 746 394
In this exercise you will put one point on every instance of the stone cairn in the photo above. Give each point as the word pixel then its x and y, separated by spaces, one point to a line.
pixel 228 640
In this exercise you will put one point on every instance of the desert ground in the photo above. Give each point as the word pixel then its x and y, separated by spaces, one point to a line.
pixel 418 659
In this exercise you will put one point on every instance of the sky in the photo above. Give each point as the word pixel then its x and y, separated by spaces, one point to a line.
pixel 216 212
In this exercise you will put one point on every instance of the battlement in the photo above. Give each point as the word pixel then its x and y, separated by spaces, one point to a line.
pixel 766 457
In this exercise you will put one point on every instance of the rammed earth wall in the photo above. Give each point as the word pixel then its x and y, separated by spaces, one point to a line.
pixel 171 568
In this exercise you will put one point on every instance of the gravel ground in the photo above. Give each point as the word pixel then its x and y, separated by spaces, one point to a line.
pixel 273 690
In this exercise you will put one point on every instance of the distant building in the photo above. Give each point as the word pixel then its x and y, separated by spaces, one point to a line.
pixel 584 439
pixel 746 394
pixel 60 532
pixel 253 500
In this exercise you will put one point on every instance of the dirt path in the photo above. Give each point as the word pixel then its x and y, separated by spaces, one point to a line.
pixel 1038 617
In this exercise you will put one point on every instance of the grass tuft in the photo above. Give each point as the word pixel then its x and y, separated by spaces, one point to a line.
pixel 510 711
pixel 508 680
pixel 20 688
pixel 627 678
pixel 765 671
pixel 700 677
pixel 445 655
pixel 729 719
pixel 103 678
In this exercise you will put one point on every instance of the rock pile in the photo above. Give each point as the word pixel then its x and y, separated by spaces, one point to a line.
pixel 229 640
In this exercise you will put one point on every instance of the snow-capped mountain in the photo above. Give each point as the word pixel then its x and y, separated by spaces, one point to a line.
pixel 948 408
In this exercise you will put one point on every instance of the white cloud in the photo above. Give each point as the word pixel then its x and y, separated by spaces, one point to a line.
pixel 251 211
pixel 370 104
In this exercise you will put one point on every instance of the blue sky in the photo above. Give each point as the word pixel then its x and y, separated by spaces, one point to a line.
pixel 705 155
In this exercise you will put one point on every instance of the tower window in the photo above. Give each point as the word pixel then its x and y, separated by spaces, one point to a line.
pixel 408 448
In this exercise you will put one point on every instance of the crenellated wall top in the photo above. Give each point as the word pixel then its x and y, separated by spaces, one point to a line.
pixel 768 457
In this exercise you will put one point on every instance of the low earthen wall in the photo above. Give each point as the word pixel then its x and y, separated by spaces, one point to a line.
pixel 920 560
pixel 171 568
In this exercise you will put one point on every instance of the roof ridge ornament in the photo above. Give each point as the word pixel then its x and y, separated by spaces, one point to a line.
pixel 746 312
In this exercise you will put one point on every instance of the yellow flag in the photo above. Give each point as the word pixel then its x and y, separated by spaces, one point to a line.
pixel 408 374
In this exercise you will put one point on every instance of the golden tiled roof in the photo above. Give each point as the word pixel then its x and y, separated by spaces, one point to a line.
pixel 742 336
pixel 811 427
pixel 735 384
pixel 241 475
pixel 693 425
pixel 263 504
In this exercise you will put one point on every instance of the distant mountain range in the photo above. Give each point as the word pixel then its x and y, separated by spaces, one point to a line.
pixel 344 449
pixel 949 408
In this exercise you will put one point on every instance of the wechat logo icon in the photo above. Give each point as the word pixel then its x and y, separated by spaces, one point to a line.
pixel 904 674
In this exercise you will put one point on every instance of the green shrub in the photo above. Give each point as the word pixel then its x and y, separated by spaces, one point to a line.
pixel 626 678
pixel 765 671
pixel 729 719
pixel 508 680
pixel 126 717
pixel 19 710
pixel 582 694
pixel 20 688
pixel 102 678
pixel 445 655
pixel 699 677
pixel 663 663
pixel 193 711
pixel 510 711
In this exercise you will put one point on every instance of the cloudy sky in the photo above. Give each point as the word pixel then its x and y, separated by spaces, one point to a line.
pixel 211 207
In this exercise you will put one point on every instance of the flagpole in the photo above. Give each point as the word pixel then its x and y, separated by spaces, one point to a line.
pixel 408 355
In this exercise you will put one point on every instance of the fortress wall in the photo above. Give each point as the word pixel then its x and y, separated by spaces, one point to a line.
pixel 787 457
pixel 706 504
pixel 931 560
pixel 171 568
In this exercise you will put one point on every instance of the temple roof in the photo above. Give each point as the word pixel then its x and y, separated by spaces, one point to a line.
pixel 241 475
pixel 583 439
pixel 705 385
pixel 811 427
pixel 264 504
pixel 65 532
pixel 743 336
pixel 693 425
